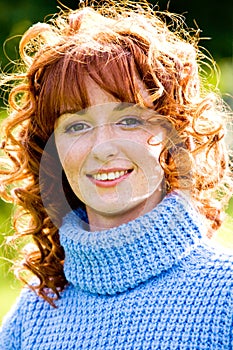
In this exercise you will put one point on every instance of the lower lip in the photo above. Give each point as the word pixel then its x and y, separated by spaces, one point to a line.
pixel 108 183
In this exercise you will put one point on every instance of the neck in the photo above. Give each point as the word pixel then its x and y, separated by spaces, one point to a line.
pixel 112 261
pixel 101 221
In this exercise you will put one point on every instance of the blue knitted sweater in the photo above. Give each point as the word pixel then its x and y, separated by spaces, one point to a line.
pixel 149 284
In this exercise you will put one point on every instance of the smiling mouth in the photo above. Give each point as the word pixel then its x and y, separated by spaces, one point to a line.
pixel 110 176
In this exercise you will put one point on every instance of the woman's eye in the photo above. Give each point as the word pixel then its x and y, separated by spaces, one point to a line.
pixel 77 127
pixel 130 122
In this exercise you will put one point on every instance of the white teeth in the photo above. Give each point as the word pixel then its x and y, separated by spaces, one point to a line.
pixel 100 176
pixel 109 176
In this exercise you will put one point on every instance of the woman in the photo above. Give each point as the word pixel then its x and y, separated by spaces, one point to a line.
pixel 120 172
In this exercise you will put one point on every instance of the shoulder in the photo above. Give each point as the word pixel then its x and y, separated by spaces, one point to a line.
pixel 10 333
pixel 24 315
pixel 212 265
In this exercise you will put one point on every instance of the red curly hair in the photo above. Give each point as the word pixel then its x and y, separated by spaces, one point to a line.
pixel 117 45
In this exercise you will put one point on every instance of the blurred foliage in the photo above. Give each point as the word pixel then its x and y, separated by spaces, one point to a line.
pixel 215 22
pixel 213 19
pixel 6 231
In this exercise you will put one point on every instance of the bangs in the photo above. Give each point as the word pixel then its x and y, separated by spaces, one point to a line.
pixel 65 89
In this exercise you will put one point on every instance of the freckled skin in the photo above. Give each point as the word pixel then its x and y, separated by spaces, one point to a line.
pixel 103 138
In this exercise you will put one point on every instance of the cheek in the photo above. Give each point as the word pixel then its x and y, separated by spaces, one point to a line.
pixel 148 165
pixel 144 155
pixel 72 155
pixel 146 145
pixel 72 162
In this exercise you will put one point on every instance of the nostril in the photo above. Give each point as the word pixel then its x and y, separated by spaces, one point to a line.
pixel 105 151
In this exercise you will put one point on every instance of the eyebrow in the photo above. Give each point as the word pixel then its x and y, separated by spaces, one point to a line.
pixel 81 112
pixel 119 107
pixel 125 105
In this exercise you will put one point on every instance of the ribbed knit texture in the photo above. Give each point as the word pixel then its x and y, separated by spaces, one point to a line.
pixel 149 284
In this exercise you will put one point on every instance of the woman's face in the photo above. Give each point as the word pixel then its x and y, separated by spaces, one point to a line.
pixel 108 162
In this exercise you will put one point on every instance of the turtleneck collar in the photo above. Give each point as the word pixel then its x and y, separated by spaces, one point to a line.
pixel 114 260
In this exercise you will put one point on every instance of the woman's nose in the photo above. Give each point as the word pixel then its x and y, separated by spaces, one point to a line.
pixel 105 145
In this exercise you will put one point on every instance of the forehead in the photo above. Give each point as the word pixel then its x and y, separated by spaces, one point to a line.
pixel 71 84
pixel 96 95
pixel 102 101
pixel 106 112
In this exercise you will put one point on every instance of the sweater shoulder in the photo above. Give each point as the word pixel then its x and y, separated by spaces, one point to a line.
pixel 212 256
pixel 213 264
pixel 28 304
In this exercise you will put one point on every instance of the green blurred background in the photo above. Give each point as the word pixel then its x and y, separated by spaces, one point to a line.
pixel 214 18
